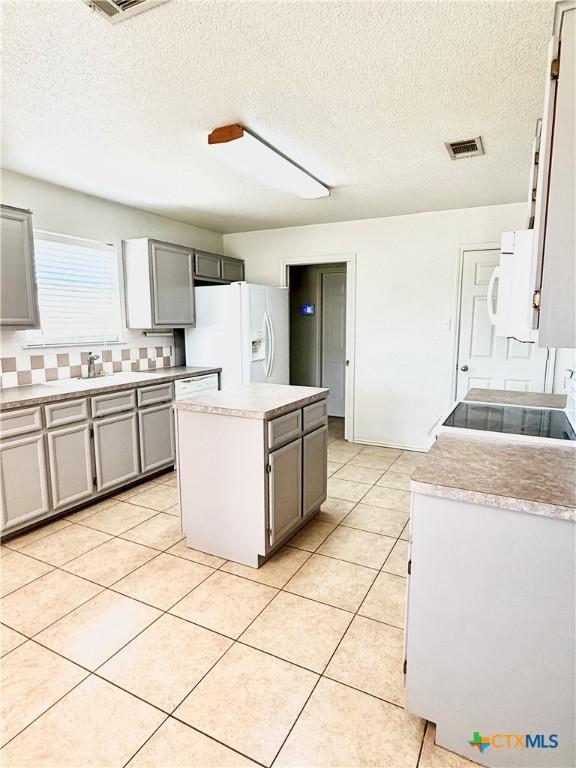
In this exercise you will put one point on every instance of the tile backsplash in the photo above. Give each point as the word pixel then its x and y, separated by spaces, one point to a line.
pixel 35 367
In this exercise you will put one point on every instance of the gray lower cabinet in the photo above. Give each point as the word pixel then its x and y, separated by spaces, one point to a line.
pixel 18 298
pixel 315 470
pixel 24 486
pixel 70 457
pixel 156 432
pixel 285 489
pixel 116 450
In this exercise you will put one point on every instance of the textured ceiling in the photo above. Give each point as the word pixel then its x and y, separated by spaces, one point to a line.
pixel 362 94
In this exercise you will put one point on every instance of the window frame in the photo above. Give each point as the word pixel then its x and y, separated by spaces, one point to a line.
pixel 36 338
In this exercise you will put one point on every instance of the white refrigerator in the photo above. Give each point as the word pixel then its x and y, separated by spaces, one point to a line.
pixel 243 329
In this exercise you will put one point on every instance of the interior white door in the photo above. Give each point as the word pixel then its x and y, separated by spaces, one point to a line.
pixel 484 359
pixel 333 346
pixel 279 325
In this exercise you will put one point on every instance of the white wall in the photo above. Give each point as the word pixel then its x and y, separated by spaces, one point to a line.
pixel 406 287
pixel 62 210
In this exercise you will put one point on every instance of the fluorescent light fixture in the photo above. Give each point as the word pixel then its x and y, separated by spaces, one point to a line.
pixel 253 155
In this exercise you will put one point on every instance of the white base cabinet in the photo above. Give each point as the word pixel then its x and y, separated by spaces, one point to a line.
pixel 248 484
pixel 490 631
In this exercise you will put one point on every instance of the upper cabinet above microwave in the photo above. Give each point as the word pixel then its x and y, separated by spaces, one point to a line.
pixel 159 280
pixel 158 284
pixel 536 278
pixel 18 299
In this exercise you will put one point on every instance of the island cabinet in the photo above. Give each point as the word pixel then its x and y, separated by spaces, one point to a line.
pixel 253 467
pixel 490 626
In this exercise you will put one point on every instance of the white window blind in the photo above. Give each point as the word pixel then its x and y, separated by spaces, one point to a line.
pixel 78 294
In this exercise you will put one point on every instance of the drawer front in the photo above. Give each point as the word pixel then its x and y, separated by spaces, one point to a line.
pixel 68 412
pixel 207 265
pixel 114 402
pixel 315 415
pixel 232 269
pixel 20 422
pixel 284 428
pixel 161 393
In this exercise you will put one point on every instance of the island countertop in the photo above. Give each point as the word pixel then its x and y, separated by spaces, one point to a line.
pixel 64 389
pixel 253 401
pixel 523 477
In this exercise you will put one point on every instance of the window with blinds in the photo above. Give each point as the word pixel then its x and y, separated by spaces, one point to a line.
pixel 78 295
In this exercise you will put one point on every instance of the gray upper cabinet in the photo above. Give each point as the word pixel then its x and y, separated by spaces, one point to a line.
pixel 156 430
pixel 18 298
pixel 208 265
pixel 558 290
pixel 23 487
pixel 211 267
pixel 70 458
pixel 116 450
pixel 285 490
pixel 232 269
pixel 158 284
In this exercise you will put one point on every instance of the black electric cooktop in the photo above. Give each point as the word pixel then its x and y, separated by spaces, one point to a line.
pixel 512 420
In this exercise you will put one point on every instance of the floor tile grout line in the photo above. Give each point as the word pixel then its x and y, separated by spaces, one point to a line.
pixel 426 722
pixel 234 641
pixel 63 517
pixel 154 732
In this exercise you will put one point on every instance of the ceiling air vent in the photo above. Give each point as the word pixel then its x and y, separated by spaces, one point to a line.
pixel 120 10
pixel 465 148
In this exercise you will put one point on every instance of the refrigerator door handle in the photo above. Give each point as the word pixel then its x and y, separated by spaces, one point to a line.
pixel 268 329
pixel 273 346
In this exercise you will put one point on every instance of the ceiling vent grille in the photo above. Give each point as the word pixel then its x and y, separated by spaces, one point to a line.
pixel 120 10
pixel 465 148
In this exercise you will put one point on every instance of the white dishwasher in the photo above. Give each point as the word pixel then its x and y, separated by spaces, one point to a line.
pixel 184 388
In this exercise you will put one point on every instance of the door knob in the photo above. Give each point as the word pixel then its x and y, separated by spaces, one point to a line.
pixel 464 368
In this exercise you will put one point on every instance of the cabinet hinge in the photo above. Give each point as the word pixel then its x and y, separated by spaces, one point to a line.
pixel 555 68
pixel 268 468
pixel 536 300
pixel 409 567
pixel 405 667
pixel 269 531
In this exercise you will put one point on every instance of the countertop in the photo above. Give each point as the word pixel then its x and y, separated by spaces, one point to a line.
pixel 513 397
pixel 35 394
pixel 522 477
pixel 253 401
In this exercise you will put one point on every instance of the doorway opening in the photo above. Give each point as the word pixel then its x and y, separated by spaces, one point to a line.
pixel 318 349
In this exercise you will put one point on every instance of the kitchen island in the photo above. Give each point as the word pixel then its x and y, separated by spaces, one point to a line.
pixel 490 632
pixel 252 467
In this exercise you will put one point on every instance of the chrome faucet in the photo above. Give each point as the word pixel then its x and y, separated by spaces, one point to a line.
pixel 91 368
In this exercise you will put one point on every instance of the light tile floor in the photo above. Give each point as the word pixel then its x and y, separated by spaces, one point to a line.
pixel 121 646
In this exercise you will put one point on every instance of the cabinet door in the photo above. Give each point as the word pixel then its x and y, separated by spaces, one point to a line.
pixel 315 470
pixel 116 450
pixel 232 270
pixel 172 285
pixel 208 265
pixel 18 300
pixel 558 296
pixel 285 490
pixel 156 437
pixel 70 464
pixel 24 487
